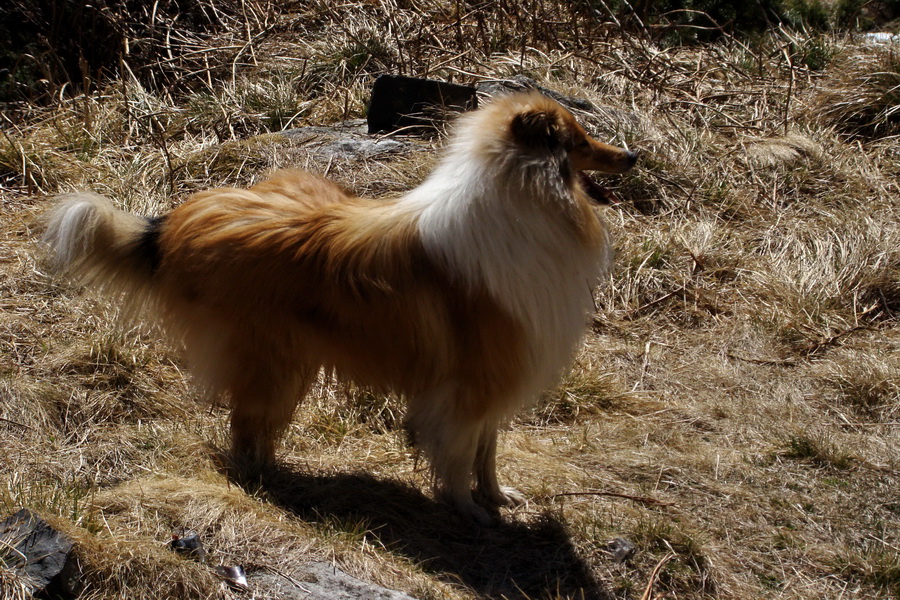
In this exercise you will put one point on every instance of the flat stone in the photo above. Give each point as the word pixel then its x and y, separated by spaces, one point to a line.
pixel 319 581
pixel 346 140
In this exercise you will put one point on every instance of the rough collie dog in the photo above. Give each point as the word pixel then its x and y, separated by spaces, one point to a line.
pixel 467 296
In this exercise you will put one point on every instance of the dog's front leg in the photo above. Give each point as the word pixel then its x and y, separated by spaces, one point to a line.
pixel 444 427
pixel 486 483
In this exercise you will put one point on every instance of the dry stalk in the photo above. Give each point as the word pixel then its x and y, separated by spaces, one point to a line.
pixel 654 574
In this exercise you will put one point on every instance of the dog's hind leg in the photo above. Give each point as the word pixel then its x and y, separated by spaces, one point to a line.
pixel 486 483
pixel 265 381
pixel 259 368
pixel 262 405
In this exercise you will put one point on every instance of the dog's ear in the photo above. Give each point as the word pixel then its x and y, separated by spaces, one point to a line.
pixel 536 128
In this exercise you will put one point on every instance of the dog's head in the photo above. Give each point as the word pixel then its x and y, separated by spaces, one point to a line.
pixel 540 128
pixel 529 138
pixel 543 124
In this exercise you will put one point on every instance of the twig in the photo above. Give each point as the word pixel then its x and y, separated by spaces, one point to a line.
pixel 293 580
pixel 779 362
pixel 161 142
pixel 22 425
pixel 641 499
pixel 809 350
pixel 631 315
pixel 249 44
pixel 14 549
pixel 654 574
pixel 814 347
pixel 790 90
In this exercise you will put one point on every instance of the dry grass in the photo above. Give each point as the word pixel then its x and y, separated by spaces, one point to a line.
pixel 736 401
pixel 872 108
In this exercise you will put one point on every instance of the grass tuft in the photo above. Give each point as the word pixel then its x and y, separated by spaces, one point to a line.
pixel 581 395
pixel 862 98
pixel 875 566
pixel 866 385
pixel 819 449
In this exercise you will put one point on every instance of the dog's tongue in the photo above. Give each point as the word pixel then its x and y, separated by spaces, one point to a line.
pixel 600 194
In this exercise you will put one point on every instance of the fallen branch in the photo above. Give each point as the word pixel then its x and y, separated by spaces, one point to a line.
pixel 637 311
pixel 807 351
pixel 641 499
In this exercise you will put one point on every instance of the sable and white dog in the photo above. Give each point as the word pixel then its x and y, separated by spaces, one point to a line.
pixel 468 295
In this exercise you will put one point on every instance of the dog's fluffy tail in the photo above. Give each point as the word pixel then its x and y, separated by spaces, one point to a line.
pixel 93 243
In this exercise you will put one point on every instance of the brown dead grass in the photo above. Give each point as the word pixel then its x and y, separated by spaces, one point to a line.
pixel 736 401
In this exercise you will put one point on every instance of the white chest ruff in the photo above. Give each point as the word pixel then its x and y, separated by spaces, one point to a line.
pixel 528 257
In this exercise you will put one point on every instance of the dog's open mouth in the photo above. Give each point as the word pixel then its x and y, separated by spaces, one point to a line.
pixel 600 194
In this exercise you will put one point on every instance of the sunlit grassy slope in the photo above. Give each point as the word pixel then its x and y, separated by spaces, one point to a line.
pixel 736 401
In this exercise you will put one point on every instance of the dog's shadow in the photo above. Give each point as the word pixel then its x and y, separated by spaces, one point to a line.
pixel 515 559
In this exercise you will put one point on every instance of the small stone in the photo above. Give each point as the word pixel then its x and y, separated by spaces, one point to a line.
pixel 621 549
pixel 189 545
pixel 233 576
pixel 42 553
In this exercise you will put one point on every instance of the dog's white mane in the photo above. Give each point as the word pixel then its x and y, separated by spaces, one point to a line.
pixel 492 226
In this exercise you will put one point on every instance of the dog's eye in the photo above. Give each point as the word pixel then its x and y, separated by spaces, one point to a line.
pixel 583 144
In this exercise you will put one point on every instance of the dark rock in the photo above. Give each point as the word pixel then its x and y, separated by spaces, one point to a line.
pixel 42 553
pixel 416 103
pixel 319 581
pixel 621 549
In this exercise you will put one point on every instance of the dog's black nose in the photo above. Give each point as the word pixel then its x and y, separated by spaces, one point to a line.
pixel 631 157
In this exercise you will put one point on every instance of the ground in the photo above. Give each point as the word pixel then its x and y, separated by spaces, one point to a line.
pixel 733 412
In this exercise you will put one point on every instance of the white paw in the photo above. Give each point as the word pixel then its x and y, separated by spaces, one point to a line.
pixel 509 497
pixel 502 496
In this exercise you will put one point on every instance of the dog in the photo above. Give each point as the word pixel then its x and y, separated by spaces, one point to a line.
pixel 467 296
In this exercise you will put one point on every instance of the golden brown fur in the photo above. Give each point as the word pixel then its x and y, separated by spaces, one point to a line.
pixel 341 265
pixel 446 296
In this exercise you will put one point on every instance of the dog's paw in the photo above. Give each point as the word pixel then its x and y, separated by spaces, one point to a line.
pixel 502 496
pixel 509 497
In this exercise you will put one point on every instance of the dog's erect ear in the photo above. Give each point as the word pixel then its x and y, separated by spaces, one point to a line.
pixel 536 128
